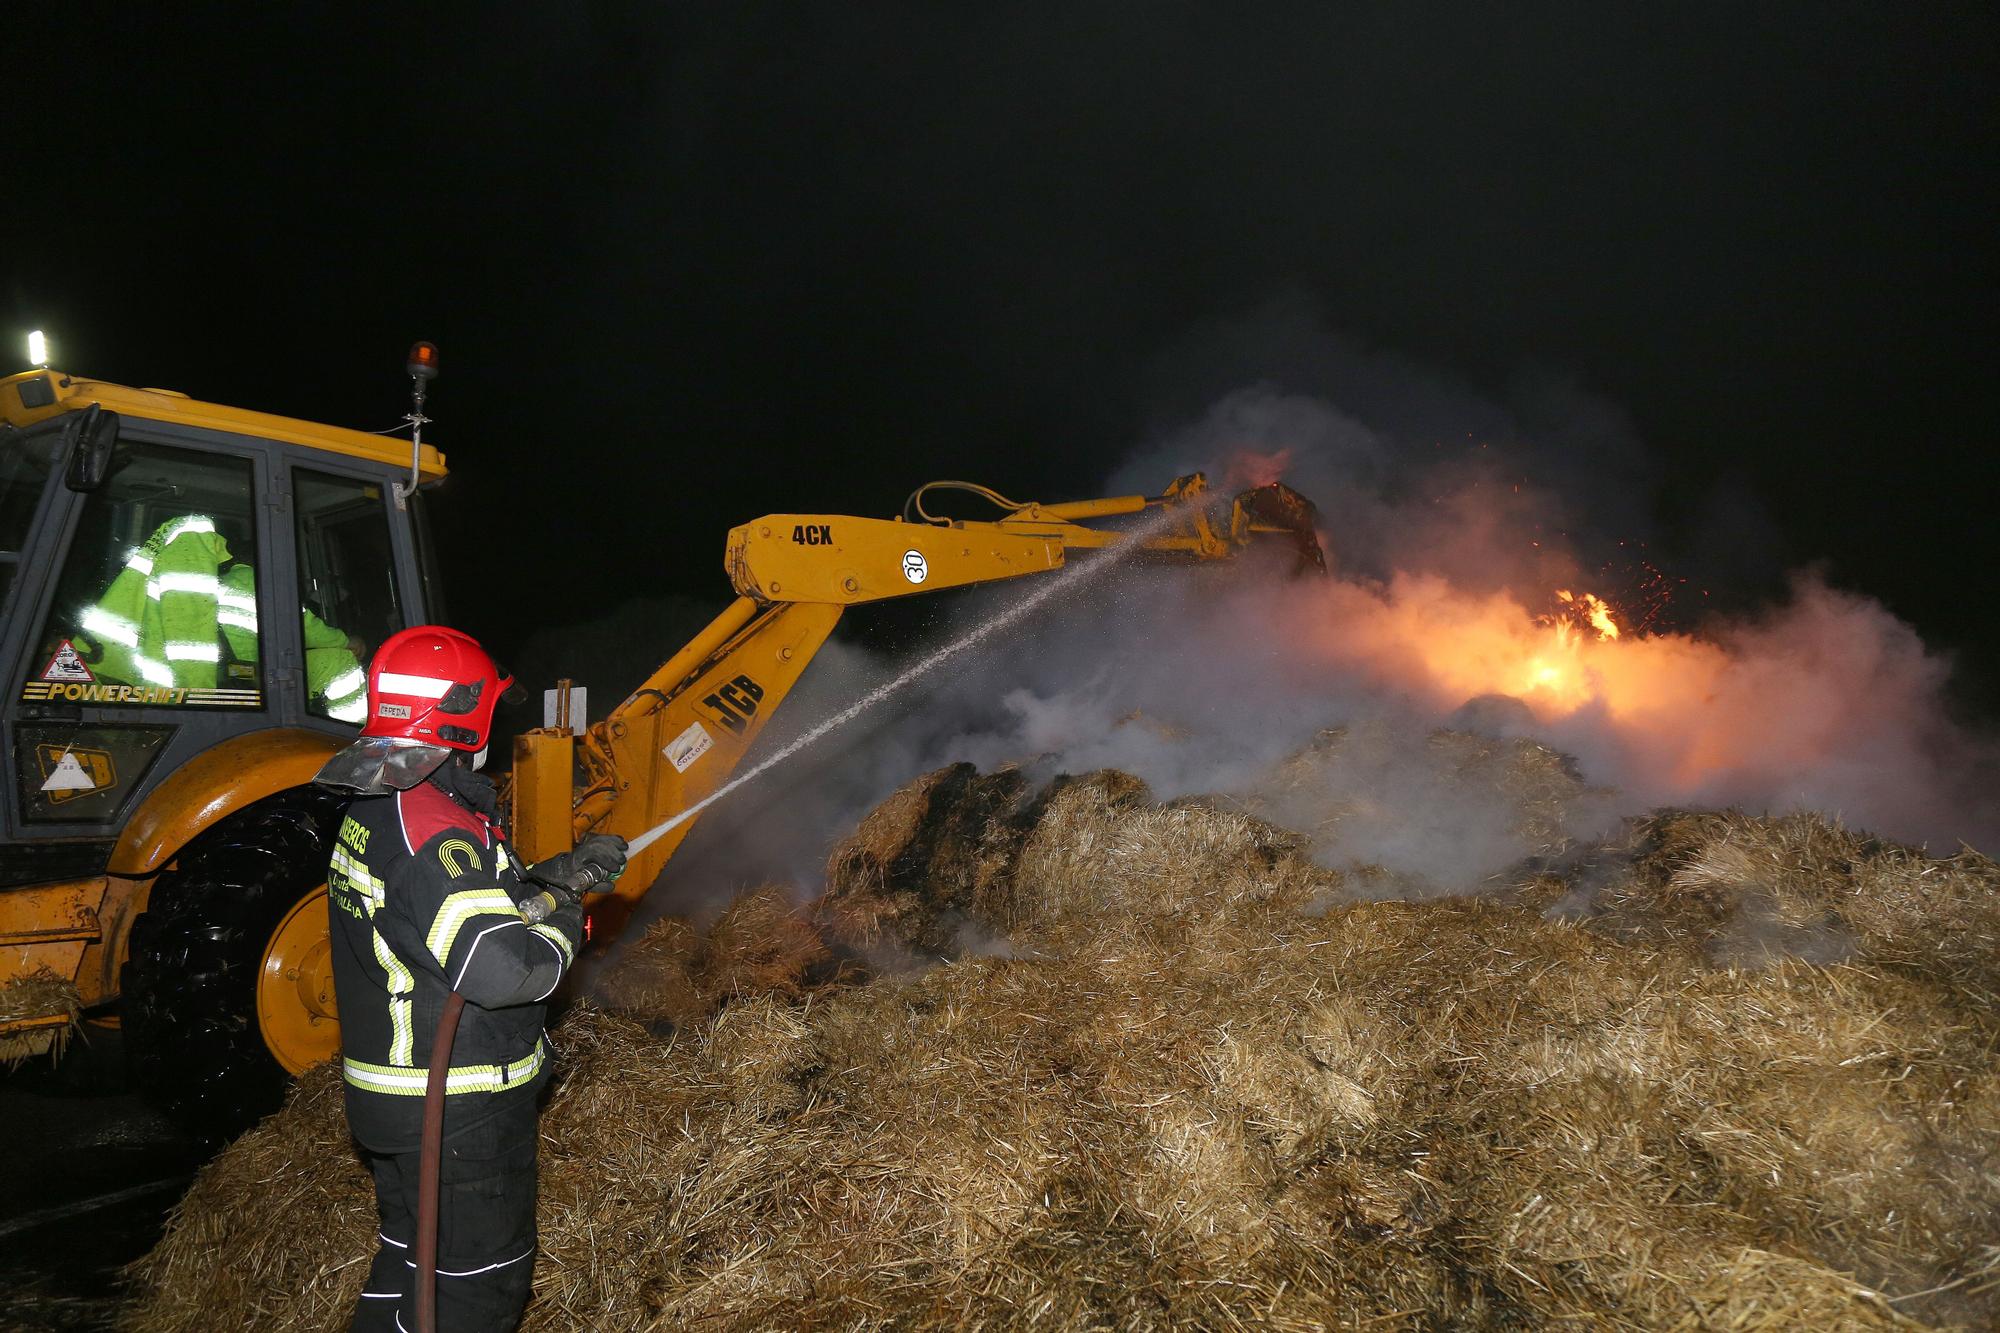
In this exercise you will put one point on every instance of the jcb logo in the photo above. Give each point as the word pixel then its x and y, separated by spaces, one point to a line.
pixel 813 534
pixel 736 703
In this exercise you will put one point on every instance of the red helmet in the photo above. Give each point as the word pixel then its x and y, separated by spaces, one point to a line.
pixel 431 690
pixel 434 685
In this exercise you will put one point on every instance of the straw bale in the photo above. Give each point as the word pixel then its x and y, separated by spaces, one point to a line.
pixel 1329 786
pixel 1190 1093
pixel 919 863
pixel 1741 890
pixel 1542 783
pixel 931 869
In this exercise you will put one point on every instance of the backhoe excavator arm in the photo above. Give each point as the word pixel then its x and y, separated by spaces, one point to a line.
pixel 680 735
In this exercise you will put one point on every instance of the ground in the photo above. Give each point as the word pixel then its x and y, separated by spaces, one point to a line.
pixel 87 1188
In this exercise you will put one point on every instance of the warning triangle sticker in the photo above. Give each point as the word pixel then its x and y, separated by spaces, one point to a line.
pixel 69 776
pixel 67 667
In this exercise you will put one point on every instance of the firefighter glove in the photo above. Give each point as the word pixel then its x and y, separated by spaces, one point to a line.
pixel 590 868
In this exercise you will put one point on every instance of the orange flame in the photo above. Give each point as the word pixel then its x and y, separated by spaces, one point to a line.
pixel 1826 700
pixel 1692 714
pixel 1592 610
pixel 1427 638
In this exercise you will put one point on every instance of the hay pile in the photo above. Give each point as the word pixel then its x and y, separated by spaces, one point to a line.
pixel 674 975
pixel 1175 1075
pixel 38 994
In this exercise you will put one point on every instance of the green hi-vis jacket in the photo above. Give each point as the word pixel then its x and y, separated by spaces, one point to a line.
pixel 422 895
pixel 167 615
pixel 333 674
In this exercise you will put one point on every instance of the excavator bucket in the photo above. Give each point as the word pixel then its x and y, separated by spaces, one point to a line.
pixel 1280 510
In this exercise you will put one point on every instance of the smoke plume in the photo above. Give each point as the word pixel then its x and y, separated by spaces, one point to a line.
pixel 1452 524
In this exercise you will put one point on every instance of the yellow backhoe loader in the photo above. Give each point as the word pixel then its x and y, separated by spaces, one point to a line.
pixel 190 592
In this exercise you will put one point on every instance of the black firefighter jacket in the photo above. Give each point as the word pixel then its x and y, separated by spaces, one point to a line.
pixel 423 895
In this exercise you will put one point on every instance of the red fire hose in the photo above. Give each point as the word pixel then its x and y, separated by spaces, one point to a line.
pixel 588 879
pixel 428 1162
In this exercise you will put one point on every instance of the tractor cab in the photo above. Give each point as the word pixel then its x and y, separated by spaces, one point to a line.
pixel 174 575
pixel 189 596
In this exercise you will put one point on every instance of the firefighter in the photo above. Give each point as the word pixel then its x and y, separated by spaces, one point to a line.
pixel 424 897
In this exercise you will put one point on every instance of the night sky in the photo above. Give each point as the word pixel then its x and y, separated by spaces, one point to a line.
pixel 689 264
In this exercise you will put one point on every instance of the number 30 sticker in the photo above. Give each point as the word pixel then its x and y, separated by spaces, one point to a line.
pixel 914 568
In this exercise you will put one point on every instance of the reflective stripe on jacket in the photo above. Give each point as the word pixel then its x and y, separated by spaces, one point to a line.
pixel 156 623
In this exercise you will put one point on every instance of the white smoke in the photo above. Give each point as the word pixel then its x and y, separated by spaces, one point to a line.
pixel 1445 514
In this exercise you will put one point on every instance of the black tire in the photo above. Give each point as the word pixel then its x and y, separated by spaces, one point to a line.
pixel 190 983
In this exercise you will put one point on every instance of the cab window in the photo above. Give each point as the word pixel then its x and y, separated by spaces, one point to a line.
pixel 347 587
pixel 25 462
pixel 156 601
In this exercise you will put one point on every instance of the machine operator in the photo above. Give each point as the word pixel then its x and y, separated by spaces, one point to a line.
pixel 159 620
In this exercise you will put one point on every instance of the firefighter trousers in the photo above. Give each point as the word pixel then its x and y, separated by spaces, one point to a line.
pixel 486 1229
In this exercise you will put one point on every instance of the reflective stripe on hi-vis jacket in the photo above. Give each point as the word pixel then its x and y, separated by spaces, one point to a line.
pixel 156 623
pixel 404 1081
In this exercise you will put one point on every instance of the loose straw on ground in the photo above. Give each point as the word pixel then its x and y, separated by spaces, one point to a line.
pixel 1120 1064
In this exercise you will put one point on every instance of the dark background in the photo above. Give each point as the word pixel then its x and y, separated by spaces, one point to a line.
pixel 689 264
